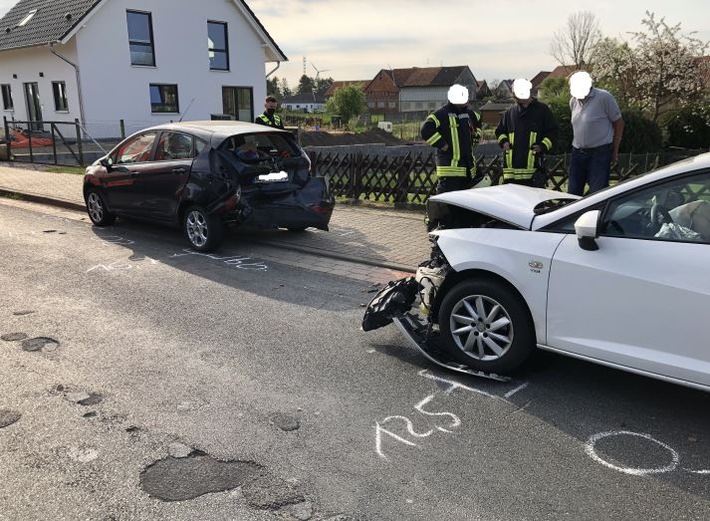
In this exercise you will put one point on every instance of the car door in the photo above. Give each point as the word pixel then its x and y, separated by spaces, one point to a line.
pixel 121 185
pixel 641 299
pixel 162 182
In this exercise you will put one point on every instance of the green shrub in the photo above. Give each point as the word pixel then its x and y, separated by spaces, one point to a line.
pixel 690 127
pixel 561 113
pixel 641 134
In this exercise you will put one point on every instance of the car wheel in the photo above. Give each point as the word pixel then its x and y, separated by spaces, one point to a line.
pixel 96 208
pixel 203 231
pixel 486 326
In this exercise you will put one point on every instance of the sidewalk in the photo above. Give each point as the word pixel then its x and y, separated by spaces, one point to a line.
pixel 386 238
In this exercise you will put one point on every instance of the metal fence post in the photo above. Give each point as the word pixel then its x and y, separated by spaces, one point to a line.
pixel 122 124
pixel 78 142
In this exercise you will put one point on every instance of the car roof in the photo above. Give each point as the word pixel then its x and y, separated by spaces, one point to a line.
pixel 216 131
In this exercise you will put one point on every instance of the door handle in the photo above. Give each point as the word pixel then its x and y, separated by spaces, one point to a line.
pixel 179 171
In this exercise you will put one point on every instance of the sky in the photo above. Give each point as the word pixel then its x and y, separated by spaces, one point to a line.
pixel 354 39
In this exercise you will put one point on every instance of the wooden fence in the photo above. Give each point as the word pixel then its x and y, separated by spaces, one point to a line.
pixel 410 178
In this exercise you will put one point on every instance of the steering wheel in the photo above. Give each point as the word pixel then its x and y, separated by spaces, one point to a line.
pixel 660 215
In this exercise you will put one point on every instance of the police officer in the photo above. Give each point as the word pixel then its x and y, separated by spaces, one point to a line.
pixel 453 130
pixel 269 116
pixel 525 132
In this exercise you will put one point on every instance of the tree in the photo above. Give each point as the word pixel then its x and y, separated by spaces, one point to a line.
pixel 273 88
pixel 553 88
pixel 348 102
pixel 574 44
pixel 306 85
pixel 656 74
pixel 285 89
pixel 321 84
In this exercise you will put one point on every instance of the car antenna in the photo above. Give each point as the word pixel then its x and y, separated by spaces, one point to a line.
pixel 188 108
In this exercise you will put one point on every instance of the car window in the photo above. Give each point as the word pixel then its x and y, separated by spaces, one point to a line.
pixel 135 150
pixel 174 145
pixel 263 145
pixel 675 210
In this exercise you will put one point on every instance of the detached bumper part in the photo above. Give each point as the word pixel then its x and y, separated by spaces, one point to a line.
pixel 416 332
pixel 395 299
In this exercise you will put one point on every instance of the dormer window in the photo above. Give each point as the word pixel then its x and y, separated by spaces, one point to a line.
pixel 27 18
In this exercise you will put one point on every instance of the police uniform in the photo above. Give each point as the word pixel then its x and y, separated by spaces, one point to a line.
pixel 269 121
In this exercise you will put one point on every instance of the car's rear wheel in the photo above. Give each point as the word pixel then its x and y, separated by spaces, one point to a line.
pixel 486 326
pixel 96 208
pixel 203 231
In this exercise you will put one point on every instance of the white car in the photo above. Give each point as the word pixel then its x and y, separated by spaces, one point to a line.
pixel 620 277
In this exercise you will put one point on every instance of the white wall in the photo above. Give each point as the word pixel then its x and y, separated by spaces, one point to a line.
pixel 27 64
pixel 114 89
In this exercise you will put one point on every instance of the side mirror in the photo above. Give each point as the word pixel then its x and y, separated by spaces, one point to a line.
pixel 107 163
pixel 586 228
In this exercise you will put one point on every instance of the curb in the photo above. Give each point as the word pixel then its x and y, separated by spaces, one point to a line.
pixel 301 249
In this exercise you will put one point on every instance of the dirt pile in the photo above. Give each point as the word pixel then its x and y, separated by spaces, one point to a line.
pixel 320 138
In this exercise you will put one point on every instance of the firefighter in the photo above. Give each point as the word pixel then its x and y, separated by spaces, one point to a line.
pixel 453 130
pixel 525 132
pixel 269 116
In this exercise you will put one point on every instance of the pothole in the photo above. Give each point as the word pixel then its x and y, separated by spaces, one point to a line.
pixel 40 343
pixel 179 479
pixel 8 417
pixel 285 422
pixel 13 337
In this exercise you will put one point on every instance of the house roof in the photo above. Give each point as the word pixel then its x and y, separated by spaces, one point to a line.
pixel 58 20
pixel 306 97
pixel 539 78
pixel 427 76
pixel 562 71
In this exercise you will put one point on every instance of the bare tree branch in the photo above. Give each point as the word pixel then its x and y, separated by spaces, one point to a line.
pixel 574 44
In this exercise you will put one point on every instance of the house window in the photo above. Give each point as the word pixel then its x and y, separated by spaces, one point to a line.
pixel 217 47
pixel 140 38
pixel 163 98
pixel 60 96
pixel 238 102
pixel 393 104
pixel 7 96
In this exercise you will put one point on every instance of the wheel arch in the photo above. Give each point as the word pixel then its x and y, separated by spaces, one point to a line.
pixel 473 275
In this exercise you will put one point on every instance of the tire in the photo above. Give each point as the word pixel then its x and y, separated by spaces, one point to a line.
pixel 96 208
pixel 203 232
pixel 498 342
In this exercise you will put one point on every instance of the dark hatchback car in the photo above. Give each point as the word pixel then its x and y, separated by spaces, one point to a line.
pixel 202 175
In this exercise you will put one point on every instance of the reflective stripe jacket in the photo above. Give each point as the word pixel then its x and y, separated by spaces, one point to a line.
pixel 264 119
pixel 522 128
pixel 456 130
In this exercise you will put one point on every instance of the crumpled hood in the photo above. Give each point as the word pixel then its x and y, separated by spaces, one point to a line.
pixel 512 203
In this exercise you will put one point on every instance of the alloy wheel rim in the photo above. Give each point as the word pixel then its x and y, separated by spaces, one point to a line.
pixel 197 229
pixel 481 328
pixel 96 210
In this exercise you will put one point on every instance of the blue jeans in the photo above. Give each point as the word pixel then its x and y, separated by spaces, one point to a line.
pixel 589 165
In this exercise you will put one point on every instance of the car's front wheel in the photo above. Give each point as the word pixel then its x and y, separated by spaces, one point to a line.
pixel 96 208
pixel 486 326
pixel 203 231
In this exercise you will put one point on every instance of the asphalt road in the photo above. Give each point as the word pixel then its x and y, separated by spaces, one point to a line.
pixel 139 380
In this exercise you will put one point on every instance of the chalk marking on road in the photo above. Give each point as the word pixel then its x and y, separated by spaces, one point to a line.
pixel 700 472
pixel 519 388
pixel 591 452
pixel 123 265
pixel 110 240
pixel 237 261
pixel 455 420
pixel 456 385
pixel 378 439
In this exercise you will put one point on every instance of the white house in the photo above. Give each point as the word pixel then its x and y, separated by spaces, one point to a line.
pixel 142 61
pixel 307 102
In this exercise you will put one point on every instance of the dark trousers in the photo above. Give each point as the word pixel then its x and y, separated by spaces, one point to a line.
pixel 449 184
pixel 589 166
